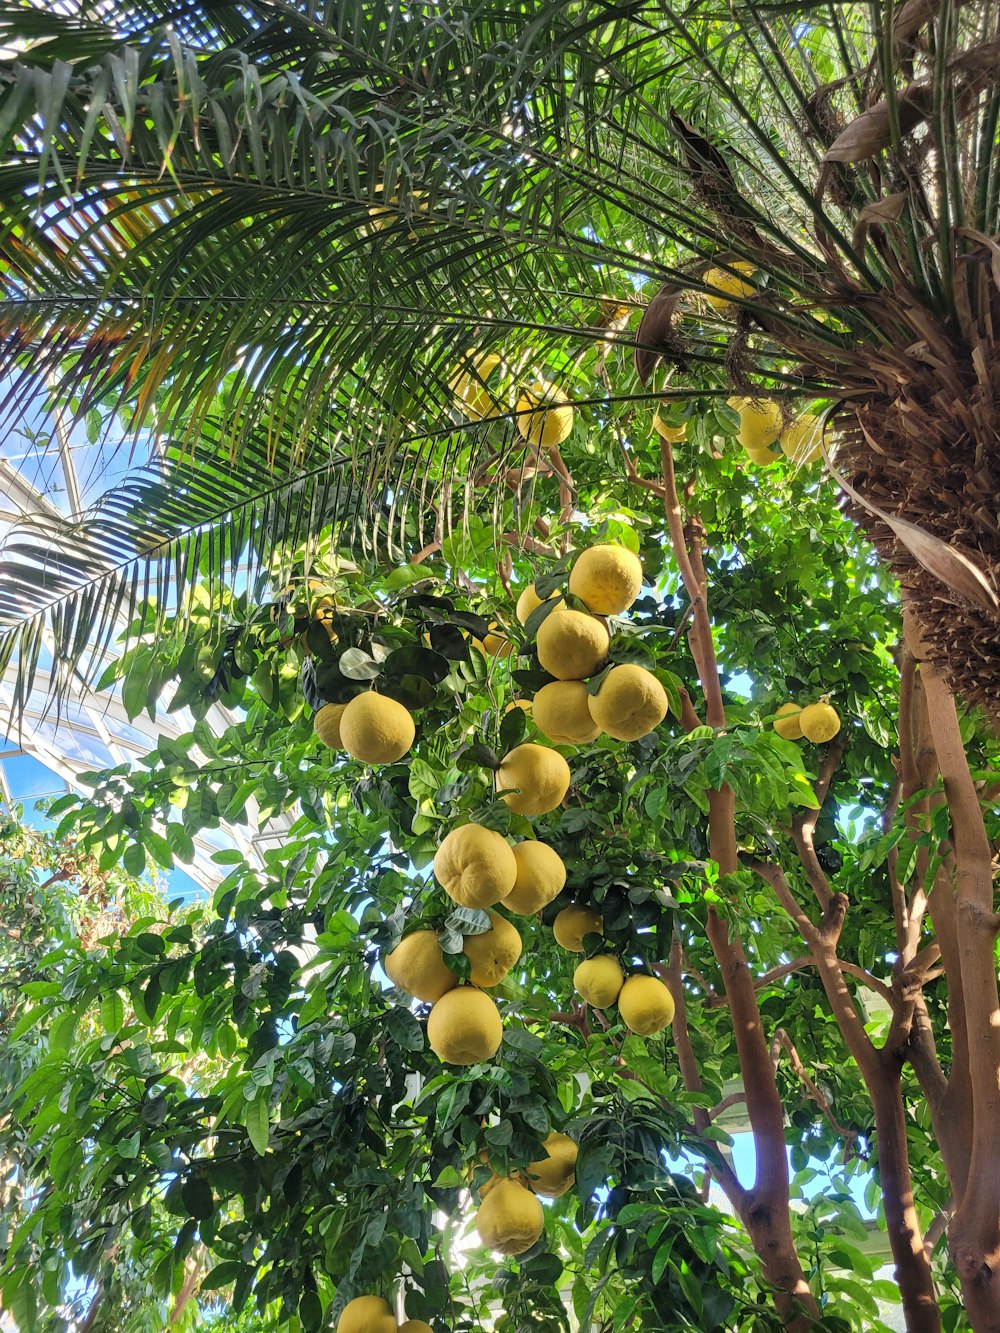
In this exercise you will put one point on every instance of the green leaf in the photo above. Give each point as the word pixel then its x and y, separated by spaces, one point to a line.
pixel 404 1029
pixel 222 1275
pixel 62 1031
pixel 468 921
pixel 112 1012
pixel 256 1117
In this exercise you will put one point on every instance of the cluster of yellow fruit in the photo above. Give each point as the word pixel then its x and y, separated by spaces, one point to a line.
pixel 510 1218
pixel 372 1314
pixel 543 415
pixel 817 722
pixel 762 423
pixel 573 646
pixel 478 868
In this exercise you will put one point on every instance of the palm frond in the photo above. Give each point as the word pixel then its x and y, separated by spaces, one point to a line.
pixel 243 219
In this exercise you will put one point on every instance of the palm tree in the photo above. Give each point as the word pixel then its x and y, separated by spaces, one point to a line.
pixel 268 232
pixel 188 198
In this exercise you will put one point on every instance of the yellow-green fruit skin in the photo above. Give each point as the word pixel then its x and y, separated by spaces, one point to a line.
pixel 630 703
pixel 573 923
pixel 788 722
pixel 376 729
pixel 645 1005
pixel 326 725
pixel 417 966
pixel 607 579
pixel 572 645
pixel 495 645
pixel 730 284
pixel 599 980
pixel 760 423
pixel 819 723
pixel 475 866
pixel 553 1175
pixel 414 1326
pixel 802 442
pixel 468 385
pixel 541 877
pixel 546 425
pixel 510 1219
pixel 529 601
pixel 367 1314
pixel 542 776
pixel 464 1027
pixel 761 457
pixel 493 953
pixel 561 711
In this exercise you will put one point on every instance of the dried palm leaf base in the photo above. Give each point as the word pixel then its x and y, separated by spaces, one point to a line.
pixel 944 485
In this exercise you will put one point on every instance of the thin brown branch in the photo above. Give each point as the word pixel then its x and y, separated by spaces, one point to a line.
pixel 688 1065
pixel 733 1099
pixel 804 826
pixel 937 1229
pixel 686 543
pixel 797 964
pixel 782 1040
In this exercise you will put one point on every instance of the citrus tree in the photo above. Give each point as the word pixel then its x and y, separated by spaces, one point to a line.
pixel 269 1100
pixel 371 281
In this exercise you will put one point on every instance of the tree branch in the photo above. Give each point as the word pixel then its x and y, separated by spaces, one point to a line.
pixel 781 1040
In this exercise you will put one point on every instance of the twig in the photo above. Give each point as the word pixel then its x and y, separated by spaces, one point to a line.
pixel 782 1040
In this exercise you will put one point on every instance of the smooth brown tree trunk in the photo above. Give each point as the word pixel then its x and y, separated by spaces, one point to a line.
pixel 974 1235
pixel 912 1263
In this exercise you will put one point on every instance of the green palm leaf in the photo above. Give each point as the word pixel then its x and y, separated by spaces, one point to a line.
pixel 186 213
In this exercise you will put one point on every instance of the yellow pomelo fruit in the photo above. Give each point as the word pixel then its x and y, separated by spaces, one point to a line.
pixel 646 1005
pixel 573 923
pixel 541 877
pixel 510 1219
pixel 788 722
pixel 493 953
pixel 417 966
pixel 523 704
pixel 599 979
pixel 760 423
pixel 541 777
pixel 487 1185
pixel 475 866
pixel 326 725
pixel 819 722
pixel 414 1326
pixel 607 579
pixel 672 434
pixel 367 1314
pixel 550 422
pixel 464 1027
pixel 761 457
pixel 730 284
pixel 555 1173
pixel 802 442
pixel 495 644
pixel 572 645
pixel 630 703
pixel 376 729
pixel 561 711
pixel 529 601
pixel 468 384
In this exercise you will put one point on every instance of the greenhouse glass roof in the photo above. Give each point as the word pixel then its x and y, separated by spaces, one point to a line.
pixel 46 469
